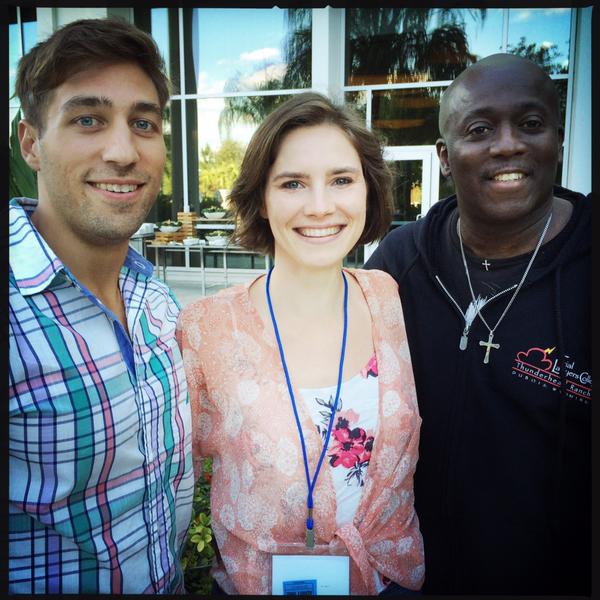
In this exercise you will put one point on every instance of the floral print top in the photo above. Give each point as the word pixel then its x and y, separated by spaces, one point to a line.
pixel 242 417
pixel 352 434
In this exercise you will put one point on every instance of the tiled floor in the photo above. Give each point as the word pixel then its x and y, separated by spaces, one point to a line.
pixel 186 292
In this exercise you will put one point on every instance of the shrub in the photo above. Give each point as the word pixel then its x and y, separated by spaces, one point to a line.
pixel 199 549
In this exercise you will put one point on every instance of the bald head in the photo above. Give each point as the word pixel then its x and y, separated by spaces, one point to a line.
pixel 494 68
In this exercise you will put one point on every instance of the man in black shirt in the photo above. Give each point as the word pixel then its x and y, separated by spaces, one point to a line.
pixel 495 288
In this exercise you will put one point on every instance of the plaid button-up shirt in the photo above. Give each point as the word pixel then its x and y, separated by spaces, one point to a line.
pixel 101 483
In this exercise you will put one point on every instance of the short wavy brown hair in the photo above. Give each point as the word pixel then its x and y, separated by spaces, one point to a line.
pixel 81 45
pixel 306 110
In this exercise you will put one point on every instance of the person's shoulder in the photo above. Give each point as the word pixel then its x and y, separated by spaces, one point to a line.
pixel 410 233
pixel 215 306
pixel 403 233
pixel 19 211
pixel 582 206
pixel 376 280
pixel 578 199
pixel 160 289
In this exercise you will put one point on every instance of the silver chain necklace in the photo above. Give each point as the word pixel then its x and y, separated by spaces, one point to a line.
pixel 489 345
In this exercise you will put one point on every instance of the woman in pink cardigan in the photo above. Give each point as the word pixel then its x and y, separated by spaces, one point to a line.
pixel 300 381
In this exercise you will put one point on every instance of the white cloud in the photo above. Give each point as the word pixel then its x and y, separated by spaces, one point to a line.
pixel 554 11
pixel 208 86
pixel 523 15
pixel 262 75
pixel 547 44
pixel 260 54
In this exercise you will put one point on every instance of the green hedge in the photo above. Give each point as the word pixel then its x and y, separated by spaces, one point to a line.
pixel 199 549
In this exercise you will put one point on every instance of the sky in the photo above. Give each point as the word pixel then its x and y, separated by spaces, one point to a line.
pixel 247 44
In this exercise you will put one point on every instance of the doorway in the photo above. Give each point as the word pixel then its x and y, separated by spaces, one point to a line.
pixel 416 184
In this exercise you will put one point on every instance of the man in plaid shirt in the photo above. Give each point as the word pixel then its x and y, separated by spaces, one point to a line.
pixel 101 483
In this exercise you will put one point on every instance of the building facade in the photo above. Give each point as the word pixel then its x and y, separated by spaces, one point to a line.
pixel 231 67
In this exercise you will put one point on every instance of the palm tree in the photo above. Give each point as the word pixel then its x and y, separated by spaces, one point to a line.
pixel 393 45
pixel 385 45
pixel 297 52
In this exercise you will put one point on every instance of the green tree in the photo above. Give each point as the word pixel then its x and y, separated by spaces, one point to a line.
pixel 544 55
pixel 219 169
pixel 385 45
pixel 395 45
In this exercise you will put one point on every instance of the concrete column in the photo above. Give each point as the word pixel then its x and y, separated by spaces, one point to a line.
pixel 579 169
pixel 327 52
pixel 50 19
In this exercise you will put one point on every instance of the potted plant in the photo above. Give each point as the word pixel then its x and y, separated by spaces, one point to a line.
pixel 214 212
pixel 217 237
pixel 169 226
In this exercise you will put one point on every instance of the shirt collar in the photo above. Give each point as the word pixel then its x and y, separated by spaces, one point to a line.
pixel 32 261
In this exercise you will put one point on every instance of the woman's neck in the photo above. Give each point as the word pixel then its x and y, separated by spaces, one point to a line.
pixel 307 293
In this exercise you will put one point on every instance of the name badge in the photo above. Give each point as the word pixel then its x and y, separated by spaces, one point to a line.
pixel 310 575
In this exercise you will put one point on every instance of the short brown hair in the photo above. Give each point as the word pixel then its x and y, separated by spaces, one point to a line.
pixel 78 46
pixel 306 110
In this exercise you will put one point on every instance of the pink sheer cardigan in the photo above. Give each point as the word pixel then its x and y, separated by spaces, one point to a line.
pixel 242 417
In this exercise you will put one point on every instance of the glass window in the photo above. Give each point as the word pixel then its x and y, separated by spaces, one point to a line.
pixel 170 198
pixel 19 43
pixel 223 128
pixel 406 117
pixel 358 102
pixel 398 45
pixel 407 198
pixel 446 186
pixel 164 27
pixel 250 49
pixel 14 55
pixel 542 35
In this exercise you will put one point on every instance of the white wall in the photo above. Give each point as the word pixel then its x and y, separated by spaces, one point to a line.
pixel 50 19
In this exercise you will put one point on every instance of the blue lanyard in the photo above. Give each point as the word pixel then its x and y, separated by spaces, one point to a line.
pixel 310 538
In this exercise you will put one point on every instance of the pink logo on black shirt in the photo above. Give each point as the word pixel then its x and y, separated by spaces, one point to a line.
pixel 541 367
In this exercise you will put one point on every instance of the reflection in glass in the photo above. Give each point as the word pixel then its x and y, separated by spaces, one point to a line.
pixel 29 35
pixel 235 50
pixel 14 55
pixel 221 130
pixel 358 102
pixel 561 84
pixel 19 43
pixel 399 45
pixel 170 198
pixel 446 187
pixel 542 35
pixel 160 19
pixel 407 116
pixel 408 181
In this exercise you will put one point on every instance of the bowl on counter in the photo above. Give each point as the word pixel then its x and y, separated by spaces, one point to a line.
pixel 214 214
pixel 192 241
pixel 217 240
pixel 170 228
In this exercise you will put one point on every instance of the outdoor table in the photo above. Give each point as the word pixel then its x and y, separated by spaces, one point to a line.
pixel 163 249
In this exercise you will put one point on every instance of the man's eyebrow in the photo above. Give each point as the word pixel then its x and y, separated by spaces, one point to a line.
pixel 88 101
pixel 97 101
pixel 517 107
pixel 147 107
